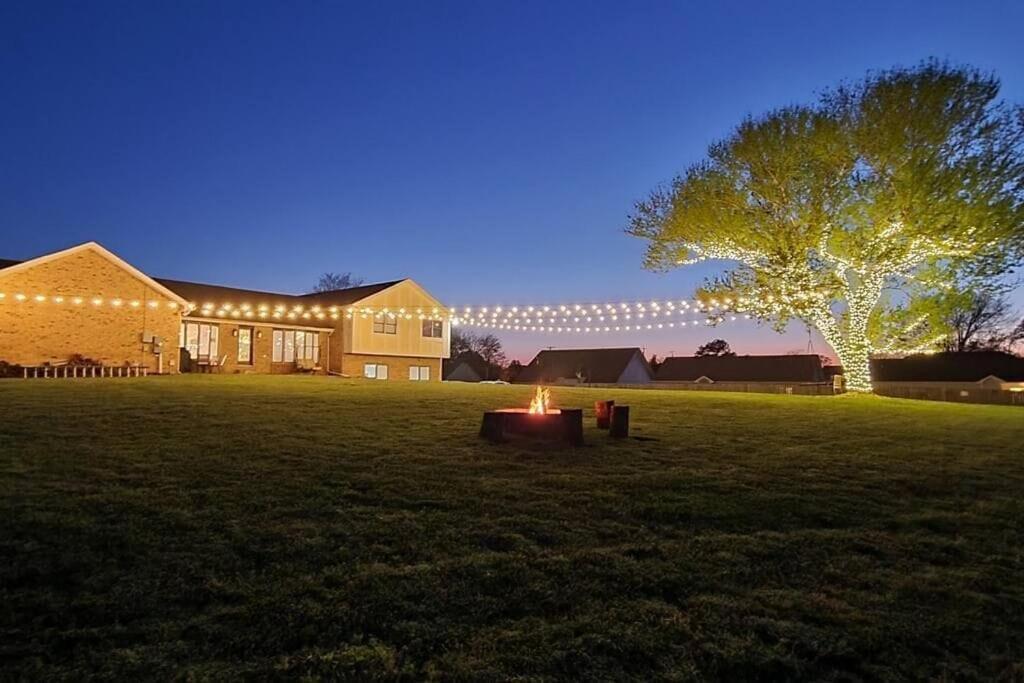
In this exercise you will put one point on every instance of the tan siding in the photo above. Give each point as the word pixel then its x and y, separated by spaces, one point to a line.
pixel 409 340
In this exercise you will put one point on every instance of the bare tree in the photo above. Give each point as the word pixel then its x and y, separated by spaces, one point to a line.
pixel 487 346
pixel 330 282
pixel 983 320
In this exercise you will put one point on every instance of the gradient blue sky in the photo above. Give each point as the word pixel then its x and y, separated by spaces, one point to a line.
pixel 489 150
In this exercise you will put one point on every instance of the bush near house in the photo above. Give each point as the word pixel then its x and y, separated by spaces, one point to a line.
pixel 284 527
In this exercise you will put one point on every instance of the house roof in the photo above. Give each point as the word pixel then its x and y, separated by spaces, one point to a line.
pixel 185 292
pixel 792 368
pixel 200 294
pixel 949 367
pixel 598 366
pixel 470 358
pixel 7 266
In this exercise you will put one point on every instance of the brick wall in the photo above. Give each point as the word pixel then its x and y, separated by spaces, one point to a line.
pixel 33 333
pixel 262 353
pixel 398 366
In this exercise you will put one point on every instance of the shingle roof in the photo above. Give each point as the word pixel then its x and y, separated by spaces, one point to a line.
pixel 199 293
pixel 598 366
pixel 794 368
pixel 949 367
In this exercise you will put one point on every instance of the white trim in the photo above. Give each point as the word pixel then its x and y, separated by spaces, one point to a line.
pixel 988 377
pixel 707 380
pixel 105 253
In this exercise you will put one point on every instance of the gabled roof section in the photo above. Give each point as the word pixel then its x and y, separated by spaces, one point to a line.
pixel 596 366
pixel 350 295
pixel 199 292
pixel 18 266
pixel 219 297
pixel 795 368
pixel 971 366
pixel 367 299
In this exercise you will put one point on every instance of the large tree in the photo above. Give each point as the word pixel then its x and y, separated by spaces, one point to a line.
pixel 905 180
pixel 715 347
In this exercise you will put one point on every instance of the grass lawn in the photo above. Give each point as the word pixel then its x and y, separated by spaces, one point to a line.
pixel 261 527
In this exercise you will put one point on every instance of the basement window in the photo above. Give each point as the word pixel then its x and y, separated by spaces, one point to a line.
pixel 375 371
pixel 419 373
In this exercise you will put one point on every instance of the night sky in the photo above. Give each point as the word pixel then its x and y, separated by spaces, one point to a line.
pixel 491 151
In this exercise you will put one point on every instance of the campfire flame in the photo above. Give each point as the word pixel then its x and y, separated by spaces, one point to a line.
pixel 541 401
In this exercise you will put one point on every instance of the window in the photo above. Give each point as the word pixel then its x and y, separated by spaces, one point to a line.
pixel 307 345
pixel 292 345
pixel 419 373
pixel 385 324
pixel 433 328
pixel 375 371
pixel 200 339
pixel 245 345
pixel 278 355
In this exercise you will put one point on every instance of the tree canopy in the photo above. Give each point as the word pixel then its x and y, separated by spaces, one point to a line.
pixel 904 181
pixel 715 347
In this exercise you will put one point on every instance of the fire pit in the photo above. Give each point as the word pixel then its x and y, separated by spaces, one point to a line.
pixel 539 421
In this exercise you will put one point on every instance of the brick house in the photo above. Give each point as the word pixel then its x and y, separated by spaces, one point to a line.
pixel 87 301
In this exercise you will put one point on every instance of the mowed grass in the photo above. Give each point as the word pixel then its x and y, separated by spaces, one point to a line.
pixel 286 527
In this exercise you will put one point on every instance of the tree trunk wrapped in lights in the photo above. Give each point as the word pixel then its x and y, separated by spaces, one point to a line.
pixel 844 214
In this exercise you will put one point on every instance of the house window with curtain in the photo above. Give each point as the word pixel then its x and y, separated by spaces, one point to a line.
pixel 245 345
pixel 433 328
pixel 293 345
pixel 375 371
pixel 200 339
pixel 419 373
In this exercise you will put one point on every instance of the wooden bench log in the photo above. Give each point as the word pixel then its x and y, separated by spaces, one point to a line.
pixel 493 427
pixel 620 422
pixel 603 411
pixel 572 426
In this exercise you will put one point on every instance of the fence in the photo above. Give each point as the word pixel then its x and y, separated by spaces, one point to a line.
pixel 936 391
pixel 797 389
pixel 74 371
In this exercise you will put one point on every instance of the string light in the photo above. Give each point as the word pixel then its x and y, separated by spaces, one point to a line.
pixel 573 317
pixel 60 299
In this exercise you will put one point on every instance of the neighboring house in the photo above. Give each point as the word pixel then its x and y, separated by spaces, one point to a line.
pixel 749 370
pixel 468 366
pixel 587 366
pixel 953 370
pixel 87 301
